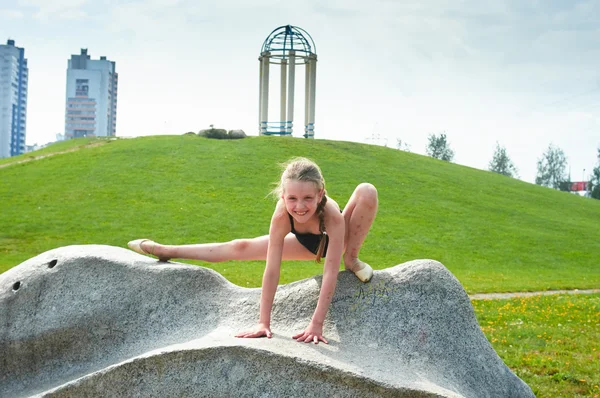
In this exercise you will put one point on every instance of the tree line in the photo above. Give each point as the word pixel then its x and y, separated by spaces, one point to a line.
pixel 551 167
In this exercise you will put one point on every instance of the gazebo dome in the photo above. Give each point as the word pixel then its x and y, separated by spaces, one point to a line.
pixel 286 38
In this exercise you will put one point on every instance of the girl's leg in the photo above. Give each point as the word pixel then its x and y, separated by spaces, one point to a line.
pixel 238 249
pixel 359 214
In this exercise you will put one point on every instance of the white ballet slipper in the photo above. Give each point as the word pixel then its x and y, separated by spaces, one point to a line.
pixel 363 271
pixel 136 246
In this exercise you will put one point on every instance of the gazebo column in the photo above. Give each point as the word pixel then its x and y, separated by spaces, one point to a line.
pixel 306 98
pixel 260 94
pixel 264 93
pixel 282 107
pixel 313 86
pixel 291 84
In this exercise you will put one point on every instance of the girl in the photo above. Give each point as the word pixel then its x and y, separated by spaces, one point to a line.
pixel 305 225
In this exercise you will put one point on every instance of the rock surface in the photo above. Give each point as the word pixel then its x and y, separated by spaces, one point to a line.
pixel 104 321
pixel 236 134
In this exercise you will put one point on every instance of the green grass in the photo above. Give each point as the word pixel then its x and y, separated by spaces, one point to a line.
pixel 53 148
pixel 494 233
pixel 551 342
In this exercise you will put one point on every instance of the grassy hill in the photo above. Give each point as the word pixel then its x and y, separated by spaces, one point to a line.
pixel 494 233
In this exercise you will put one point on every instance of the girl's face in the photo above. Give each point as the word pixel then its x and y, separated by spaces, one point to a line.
pixel 301 199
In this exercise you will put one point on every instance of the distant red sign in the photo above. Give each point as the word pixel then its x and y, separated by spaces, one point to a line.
pixel 579 186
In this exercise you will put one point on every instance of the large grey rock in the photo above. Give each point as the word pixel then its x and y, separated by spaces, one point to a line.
pixel 104 321
pixel 220 134
pixel 236 134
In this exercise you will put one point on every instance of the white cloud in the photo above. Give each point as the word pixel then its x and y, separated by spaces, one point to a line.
pixel 11 14
pixel 52 5
pixel 54 9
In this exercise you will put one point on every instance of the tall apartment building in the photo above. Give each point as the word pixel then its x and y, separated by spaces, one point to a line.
pixel 91 108
pixel 13 99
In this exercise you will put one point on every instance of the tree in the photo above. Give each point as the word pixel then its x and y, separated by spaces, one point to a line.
pixel 439 148
pixel 595 180
pixel 402 145
pixel 501 163
pixel 551 168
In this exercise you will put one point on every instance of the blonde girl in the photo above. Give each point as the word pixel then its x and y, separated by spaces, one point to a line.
pixel 306 225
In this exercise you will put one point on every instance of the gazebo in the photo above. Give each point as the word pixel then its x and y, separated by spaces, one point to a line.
pixel 287 46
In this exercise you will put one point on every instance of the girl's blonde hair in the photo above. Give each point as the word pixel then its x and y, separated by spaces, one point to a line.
pixel 303 169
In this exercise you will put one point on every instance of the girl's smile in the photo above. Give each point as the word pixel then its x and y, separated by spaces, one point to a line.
pixel 301 199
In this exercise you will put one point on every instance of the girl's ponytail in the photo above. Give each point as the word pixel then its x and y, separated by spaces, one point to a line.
pixel 324 237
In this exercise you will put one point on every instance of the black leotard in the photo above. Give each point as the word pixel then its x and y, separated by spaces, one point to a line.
pixel 308 240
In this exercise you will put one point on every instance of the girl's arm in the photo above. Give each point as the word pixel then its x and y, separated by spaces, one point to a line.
pixel 277 232
pixel 335 227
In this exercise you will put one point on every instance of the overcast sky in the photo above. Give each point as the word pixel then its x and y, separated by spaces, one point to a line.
pixel 522 73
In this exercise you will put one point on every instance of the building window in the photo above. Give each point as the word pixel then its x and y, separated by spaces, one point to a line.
pixel 81 87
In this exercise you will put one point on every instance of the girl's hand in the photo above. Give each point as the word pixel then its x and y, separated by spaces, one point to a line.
pixel 313 332
pixel 260 330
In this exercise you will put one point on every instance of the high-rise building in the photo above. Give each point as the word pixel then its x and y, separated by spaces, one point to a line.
pixel 91 108
pixel 13 99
